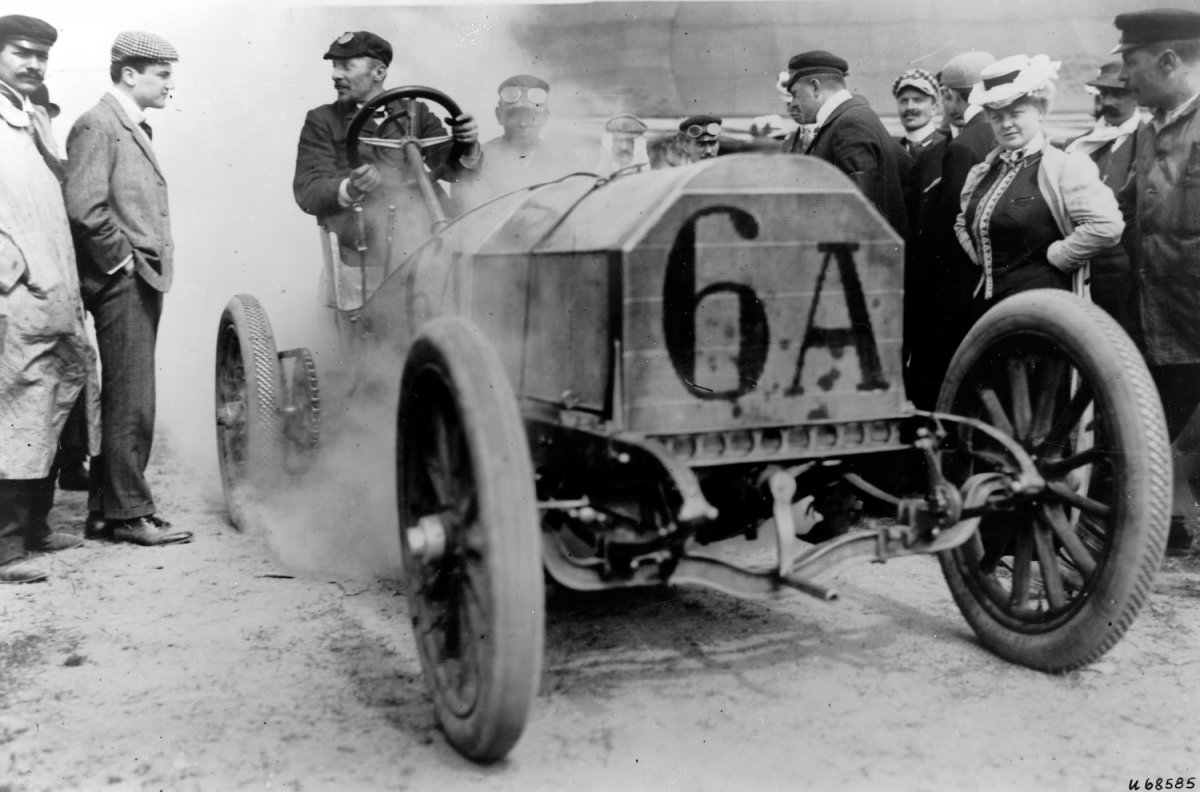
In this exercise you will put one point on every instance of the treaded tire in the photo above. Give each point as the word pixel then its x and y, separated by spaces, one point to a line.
pixel 1025 586
pixel 478 609
pixel 248 390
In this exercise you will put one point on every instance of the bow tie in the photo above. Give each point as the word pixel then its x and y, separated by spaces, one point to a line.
pixel 1013 159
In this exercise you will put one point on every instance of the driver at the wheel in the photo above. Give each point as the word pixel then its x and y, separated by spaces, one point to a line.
pixel 326 186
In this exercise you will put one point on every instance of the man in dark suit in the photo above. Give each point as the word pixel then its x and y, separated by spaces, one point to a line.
pixel 941 278
pixel 849 134
pixel 916 92
pixel 1111 144
pixel 117 203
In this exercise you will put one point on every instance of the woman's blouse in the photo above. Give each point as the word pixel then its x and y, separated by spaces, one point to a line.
pixel 1012 227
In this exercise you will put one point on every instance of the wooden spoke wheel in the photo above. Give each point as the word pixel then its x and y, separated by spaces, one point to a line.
pixel 248 391
pixel 470 538
pixel 1053 581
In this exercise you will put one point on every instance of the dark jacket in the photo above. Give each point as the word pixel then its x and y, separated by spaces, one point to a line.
pixel 854 139
pixel 322 164
pixel 939 276
pixel 1162 203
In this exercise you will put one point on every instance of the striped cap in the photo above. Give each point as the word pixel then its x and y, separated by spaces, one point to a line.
pixel 133 44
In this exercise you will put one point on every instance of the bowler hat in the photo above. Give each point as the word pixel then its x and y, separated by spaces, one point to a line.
pixel 15 27
pixel 1139 28
pixel 815 62
pixel 357 44
pixel 1110 77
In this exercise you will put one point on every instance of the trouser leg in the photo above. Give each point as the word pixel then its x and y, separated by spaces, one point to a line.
pixel 126 317
pixel 12 529
pixel 24 506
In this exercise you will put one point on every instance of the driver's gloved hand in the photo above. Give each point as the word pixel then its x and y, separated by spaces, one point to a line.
pixel 464 129
pixel 364 179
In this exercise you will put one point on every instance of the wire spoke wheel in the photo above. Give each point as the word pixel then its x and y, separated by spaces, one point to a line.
pixel 470 538
pixel 1053 581
pixel 248 392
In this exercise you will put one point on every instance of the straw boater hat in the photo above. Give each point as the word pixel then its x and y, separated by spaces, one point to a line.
pixel 1008 79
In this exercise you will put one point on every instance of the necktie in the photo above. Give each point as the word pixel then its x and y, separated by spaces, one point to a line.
pixel 146 128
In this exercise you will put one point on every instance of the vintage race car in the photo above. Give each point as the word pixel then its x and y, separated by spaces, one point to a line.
pixel 600 376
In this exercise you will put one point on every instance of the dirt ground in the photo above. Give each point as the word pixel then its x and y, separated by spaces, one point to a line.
pixel 218 666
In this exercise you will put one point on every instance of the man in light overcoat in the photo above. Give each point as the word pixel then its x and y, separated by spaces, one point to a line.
pixel 44 353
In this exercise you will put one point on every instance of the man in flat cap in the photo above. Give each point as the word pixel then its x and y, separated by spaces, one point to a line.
pixel 1110 144
pixel 848 133
pixel 1160 51
pixel 625 144
pixel 521 156
pixel 325 185
pixel 117 202
pixel 940 278
pixel 701 136
pixel 916 92
pixel 44 353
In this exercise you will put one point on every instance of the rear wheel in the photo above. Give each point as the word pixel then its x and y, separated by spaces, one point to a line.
pixel 1055 582
pixel 248 389
pixel 470 538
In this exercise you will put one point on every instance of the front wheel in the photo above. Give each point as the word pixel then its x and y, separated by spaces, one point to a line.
pixel 1054 581
pixel 470 538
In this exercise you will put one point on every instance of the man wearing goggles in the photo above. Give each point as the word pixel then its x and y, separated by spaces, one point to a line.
pixel 521 157
pixel 702 136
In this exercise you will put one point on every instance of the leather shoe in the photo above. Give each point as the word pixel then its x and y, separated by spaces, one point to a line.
pixel 53 542
pixel 147 532
pixel 96 527
pixel 74 478
pixel 21 571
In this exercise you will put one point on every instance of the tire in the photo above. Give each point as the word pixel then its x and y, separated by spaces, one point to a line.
pixel 248 390
pixel 1054 583
pixel 478 608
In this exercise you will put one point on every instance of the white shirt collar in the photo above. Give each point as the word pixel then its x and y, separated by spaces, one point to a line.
pixel 918 136
pixel 135 113
pixel 831 104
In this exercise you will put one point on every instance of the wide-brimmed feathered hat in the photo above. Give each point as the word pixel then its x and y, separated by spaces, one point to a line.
pixel 1008 79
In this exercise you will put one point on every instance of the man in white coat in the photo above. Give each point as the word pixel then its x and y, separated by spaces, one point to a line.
pixel 44 353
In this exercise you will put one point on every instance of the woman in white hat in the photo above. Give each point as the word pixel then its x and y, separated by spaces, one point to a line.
pixel 1032 215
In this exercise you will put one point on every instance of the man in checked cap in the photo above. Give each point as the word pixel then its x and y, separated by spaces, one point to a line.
pixel 117 202
pixel 44 353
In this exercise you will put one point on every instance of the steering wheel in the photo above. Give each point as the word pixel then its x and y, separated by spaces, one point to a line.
pixel 408 142
pixel 402 120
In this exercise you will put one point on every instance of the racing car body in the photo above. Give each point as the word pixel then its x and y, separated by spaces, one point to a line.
pixel 599 376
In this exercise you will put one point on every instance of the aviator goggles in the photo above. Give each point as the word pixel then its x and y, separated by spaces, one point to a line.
pixel 513 93
pixel 696 130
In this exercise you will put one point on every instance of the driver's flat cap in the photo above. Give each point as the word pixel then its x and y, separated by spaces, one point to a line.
pixel 358 44
pixel 17 27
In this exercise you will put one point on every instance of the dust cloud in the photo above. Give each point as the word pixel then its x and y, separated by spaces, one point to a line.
pixel 226 143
